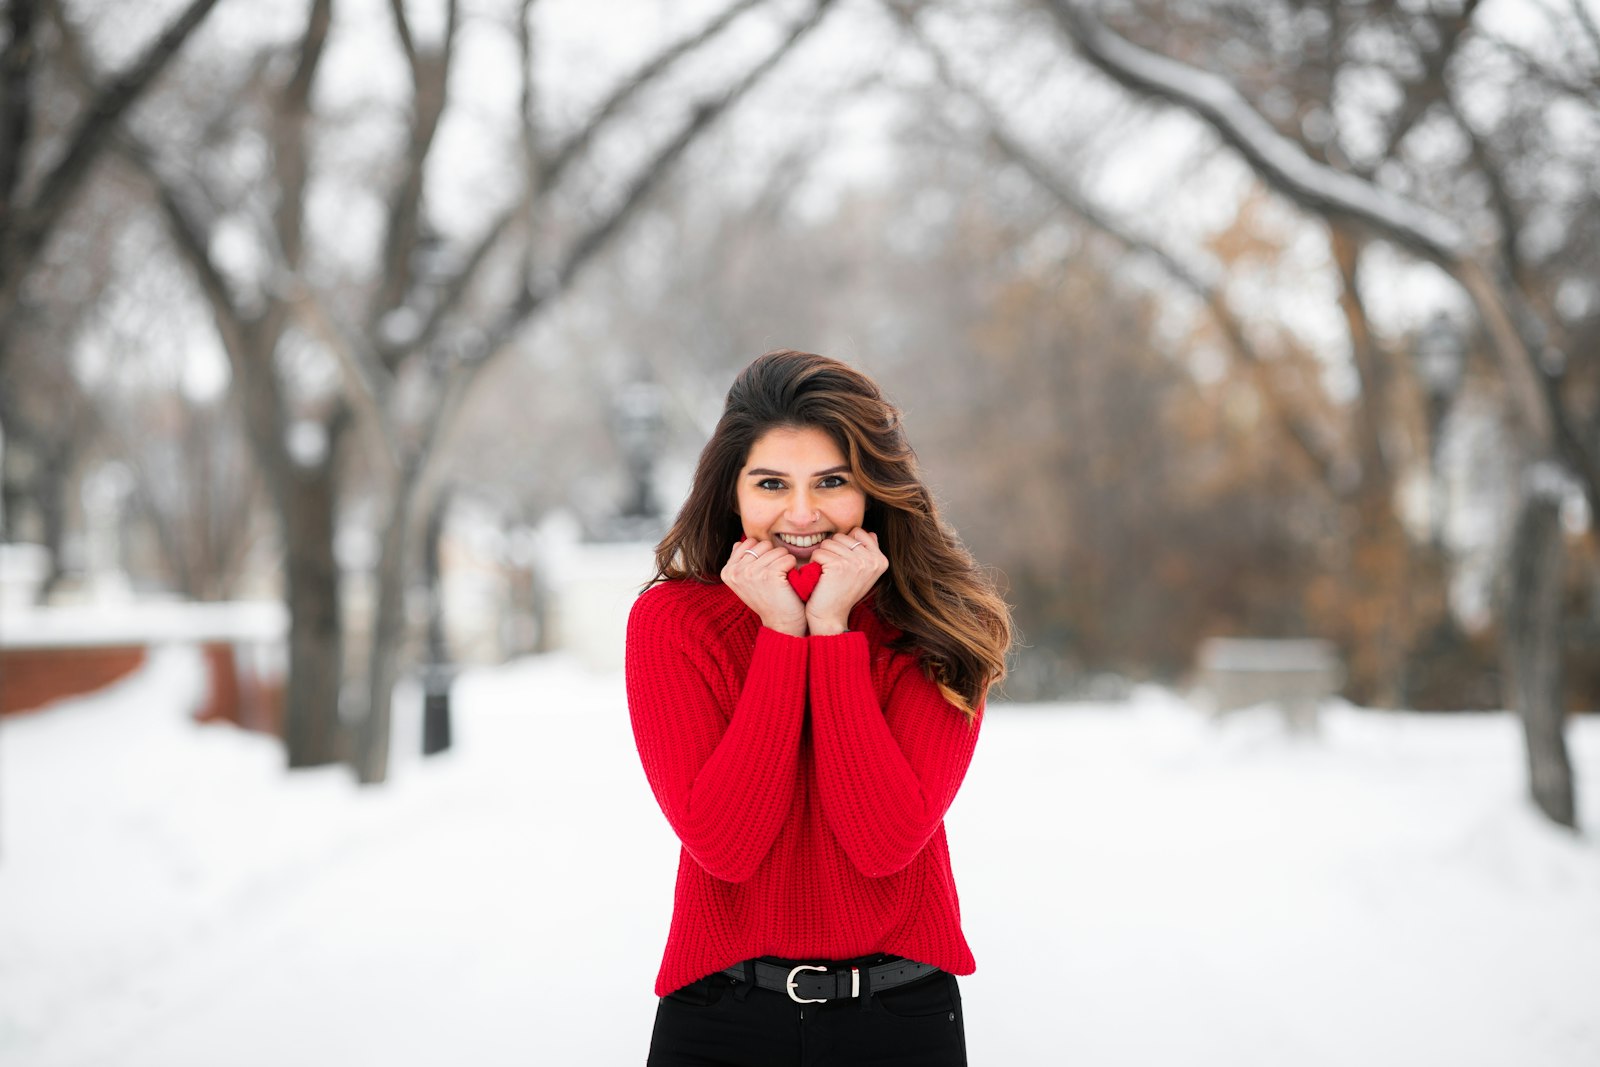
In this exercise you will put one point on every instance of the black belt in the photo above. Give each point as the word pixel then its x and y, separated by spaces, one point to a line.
pixel 815 983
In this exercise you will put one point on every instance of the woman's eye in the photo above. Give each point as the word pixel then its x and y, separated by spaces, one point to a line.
pixel 769 484
pixel 832 481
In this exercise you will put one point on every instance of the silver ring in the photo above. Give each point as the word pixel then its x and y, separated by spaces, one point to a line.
pixel 752 552
pixel 854 545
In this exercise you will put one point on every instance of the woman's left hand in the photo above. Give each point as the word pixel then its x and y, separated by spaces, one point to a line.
pixel 851 565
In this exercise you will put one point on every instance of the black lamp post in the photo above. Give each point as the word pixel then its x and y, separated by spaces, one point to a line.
pixel 638 422
pixel 437 671
pixel 1440 358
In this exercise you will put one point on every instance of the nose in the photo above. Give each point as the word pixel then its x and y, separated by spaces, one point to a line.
pixel 802 510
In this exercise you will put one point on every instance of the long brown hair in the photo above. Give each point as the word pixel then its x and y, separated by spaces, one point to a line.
pixel 946 608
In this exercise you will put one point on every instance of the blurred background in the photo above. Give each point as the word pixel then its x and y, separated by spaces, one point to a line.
pixel 354 354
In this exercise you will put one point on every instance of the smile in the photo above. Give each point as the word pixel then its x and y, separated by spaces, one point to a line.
pixel 808 541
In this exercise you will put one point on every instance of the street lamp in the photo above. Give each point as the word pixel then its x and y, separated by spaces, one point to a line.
pixel 1440 359
pixel 639 422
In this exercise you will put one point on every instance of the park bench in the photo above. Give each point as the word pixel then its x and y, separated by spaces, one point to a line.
pixel 1295 675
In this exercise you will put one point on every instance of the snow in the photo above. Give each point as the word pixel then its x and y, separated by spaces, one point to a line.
pixel 142 622
pixel 1284 163
pixel 1140 885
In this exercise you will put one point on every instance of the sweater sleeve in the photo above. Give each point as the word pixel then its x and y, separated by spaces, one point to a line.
pixel 725 784
pixel 885 775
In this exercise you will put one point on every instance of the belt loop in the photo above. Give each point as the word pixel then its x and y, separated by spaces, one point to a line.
pixel 748 983
pixel 866 989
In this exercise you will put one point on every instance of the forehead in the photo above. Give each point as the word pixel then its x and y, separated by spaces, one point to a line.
pixel 794 449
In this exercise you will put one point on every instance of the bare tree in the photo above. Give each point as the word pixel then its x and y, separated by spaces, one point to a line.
pixel 1553 435
pixel 1395 591
pixel 194 486
pixel 410 335
pixel 44 167
pixel 35 193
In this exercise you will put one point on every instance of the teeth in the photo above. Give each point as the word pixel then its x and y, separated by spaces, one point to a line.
pixel 801 542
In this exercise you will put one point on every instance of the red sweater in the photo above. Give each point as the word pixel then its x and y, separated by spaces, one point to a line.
pixel 807 778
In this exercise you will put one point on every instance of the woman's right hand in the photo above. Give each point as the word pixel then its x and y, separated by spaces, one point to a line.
pixel 758 573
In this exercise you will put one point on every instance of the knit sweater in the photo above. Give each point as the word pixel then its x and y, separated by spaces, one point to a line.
pixel 807 778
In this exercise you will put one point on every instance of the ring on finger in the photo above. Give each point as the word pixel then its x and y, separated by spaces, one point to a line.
pixel 854 545
pixel 752 552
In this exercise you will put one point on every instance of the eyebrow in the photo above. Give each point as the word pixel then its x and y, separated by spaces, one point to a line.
pixel 763 472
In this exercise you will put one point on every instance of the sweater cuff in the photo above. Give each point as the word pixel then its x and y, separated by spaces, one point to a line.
pixel 778 658
pixel 836 659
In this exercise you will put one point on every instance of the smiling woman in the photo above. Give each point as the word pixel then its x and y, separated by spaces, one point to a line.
pixel 806 677
pixel 798 510
pixel 799 518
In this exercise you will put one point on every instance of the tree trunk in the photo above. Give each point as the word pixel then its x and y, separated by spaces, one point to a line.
pixel 316 636
pixel 1380 631
pixel 1532 645
pixel 438 653
pixel 388 634
pixel 50 485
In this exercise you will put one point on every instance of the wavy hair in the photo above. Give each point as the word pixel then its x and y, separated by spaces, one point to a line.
pixel 944 605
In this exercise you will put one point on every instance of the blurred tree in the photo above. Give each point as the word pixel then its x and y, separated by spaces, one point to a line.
pixel 47 156
pixel 1287 116
pixel 43 168
pixel 409 330
pixel 1020 358
pixel 1378 654
pixel 164 416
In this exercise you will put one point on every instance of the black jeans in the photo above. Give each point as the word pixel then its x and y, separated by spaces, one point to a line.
pixel 717 1022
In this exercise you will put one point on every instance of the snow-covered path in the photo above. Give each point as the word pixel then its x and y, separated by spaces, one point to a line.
pixel 1196 894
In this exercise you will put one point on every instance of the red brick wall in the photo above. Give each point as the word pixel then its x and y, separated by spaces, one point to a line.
pixel 239 695
pixel 33 677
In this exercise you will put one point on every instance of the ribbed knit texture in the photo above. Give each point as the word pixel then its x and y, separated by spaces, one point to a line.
pixel 807 779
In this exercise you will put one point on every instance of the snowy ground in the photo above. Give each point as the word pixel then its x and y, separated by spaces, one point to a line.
pixel 1140 888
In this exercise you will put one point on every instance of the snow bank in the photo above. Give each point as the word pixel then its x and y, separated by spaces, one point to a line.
pixel 1203 893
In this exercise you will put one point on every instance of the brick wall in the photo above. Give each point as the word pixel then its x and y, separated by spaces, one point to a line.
pixel 238 694
pixel 33 677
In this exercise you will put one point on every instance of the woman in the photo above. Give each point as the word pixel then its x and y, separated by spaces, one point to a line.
pixel 806 675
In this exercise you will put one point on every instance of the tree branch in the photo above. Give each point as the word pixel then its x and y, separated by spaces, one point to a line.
pixel 604 229
pixel 1371 370
pixel 1534 68
pixel 1276 158
pixel 103 112
pixel 1334 195
pixel 368 381
pixel 265 420
pixel 402 30
pixel 1504 208
pixel 191 237
pixel 451 293
pixel 1430 88
pixel 642 78
pixel 532 158
pixel 1591 28
pixel 16 102
pixel 289 121
pixel 430 86
pixel 1197 282
pixel 26 229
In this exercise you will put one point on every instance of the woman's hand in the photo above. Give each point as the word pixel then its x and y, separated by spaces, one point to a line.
pixel 758 573
pixel 851 565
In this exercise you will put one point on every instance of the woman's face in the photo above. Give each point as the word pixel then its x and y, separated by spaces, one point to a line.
pixel 796 489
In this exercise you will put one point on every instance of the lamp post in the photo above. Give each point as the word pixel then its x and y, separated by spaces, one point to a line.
pixel 1440 359
pixel 638 422
pixel 437 670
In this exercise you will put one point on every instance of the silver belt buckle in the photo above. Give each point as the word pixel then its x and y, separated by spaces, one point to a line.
pixel 804 967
